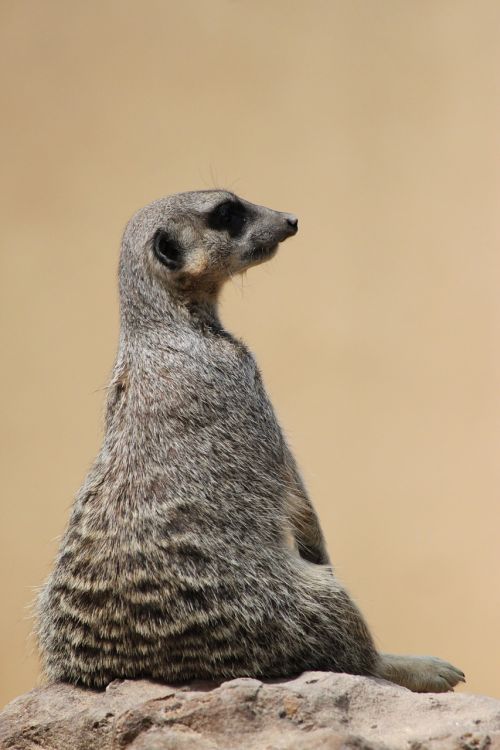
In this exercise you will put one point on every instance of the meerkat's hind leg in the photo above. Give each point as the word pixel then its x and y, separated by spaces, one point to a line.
pixel 422 674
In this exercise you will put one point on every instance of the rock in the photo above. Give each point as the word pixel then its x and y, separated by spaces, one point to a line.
pixel 316 711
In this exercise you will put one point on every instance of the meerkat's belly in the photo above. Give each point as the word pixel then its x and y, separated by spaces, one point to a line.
pixel 168 599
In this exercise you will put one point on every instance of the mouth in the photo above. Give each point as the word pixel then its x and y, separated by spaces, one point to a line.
pixel 263 251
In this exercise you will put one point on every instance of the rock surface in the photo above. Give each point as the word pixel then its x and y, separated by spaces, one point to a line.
pixel 317 710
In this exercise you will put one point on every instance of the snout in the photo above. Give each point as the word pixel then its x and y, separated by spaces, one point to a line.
pixel 291 225
pixel 270 229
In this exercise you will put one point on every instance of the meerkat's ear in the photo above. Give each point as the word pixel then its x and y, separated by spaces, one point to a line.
pixel 167 250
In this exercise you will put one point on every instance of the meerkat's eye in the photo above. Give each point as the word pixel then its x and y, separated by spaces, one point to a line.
pixel 229 216
pixel 167 250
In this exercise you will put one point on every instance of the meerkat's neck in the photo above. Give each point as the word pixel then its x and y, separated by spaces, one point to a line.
pixel 145 373
pixel 150 315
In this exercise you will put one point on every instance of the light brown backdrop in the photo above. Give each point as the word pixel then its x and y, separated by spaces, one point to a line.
pixel 377 327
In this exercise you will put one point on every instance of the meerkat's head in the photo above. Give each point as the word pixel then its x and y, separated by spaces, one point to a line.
pixel 190 243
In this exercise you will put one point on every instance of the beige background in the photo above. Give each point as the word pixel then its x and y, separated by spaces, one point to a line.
pixel 377 328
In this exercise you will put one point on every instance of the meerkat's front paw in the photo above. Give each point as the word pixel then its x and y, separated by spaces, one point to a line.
pixel 422 674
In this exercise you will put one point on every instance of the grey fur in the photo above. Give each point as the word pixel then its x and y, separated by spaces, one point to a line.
pixel 193 550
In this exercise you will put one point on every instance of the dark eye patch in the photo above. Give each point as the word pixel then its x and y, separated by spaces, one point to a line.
pixel 229 216
pixel 167 250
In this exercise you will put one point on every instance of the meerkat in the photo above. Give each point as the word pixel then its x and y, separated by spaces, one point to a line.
pixel 193 550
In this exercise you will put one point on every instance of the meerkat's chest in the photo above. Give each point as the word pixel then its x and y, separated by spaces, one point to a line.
pixel 220 388
pixel 216 375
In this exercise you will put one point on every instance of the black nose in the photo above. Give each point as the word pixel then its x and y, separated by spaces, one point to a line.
pixel 293 223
